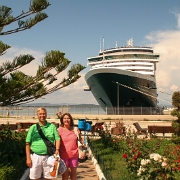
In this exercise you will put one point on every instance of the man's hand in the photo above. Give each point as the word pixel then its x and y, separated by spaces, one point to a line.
pixel 29 162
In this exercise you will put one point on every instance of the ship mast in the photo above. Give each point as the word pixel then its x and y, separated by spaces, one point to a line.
pixel 116 44
pixel 103 52
pixel 103 44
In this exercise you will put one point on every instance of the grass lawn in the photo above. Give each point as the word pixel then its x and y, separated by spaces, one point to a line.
pixel 111 161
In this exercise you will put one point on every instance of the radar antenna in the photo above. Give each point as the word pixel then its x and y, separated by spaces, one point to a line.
pixel 130 42
pixel 100 46
pixel 116 44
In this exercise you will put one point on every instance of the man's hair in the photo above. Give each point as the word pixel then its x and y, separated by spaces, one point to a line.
pixel 41 109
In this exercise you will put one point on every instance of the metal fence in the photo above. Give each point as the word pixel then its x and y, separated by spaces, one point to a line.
pixel 30 111
pixel 137 111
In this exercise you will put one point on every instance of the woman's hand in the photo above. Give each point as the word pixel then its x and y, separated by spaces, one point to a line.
pixel 57 157
pixel 57 152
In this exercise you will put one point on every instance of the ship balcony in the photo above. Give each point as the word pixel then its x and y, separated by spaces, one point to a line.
pixel 123 67
pixel 126 64
pixel 122 63
pixel 137 67
pixel 86 88
pixel 123 59
pixel 145 72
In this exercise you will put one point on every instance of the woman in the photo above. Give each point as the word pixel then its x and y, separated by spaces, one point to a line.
pixel 69 147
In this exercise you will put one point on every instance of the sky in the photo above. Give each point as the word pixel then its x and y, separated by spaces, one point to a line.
pixel 76 28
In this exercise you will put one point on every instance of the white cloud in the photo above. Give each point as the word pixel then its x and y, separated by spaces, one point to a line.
pixel 167 44
pixel 29 69
pixel 73 93
pixel 174 88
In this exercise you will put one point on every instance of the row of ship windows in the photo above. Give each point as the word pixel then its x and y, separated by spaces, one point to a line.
pixel 132 63
pixel 109 65
pixel 125 63
pixel 125 50
pixel 120 57
pixel 138 70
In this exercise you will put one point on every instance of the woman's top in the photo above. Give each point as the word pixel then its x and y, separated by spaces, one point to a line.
pixel 69 146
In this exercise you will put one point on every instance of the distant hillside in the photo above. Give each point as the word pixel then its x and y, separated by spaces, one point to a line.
pixel 57 105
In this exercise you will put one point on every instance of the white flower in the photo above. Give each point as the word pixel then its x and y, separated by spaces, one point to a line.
pixel 152 156
pixel 144 162
pixel 164 164
pixel 141 169
pixel 155 156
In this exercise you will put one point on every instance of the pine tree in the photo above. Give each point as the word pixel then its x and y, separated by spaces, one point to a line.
pixel 16 87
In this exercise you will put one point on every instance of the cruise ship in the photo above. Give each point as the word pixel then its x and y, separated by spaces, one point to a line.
pixel 123 77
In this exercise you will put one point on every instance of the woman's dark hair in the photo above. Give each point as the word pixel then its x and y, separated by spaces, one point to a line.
pixel 71 119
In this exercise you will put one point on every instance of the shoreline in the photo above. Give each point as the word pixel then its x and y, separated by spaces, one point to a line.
pixel 144 120
pixel 96 117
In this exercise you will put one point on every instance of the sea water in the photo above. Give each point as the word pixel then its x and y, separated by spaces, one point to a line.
pixel 31 111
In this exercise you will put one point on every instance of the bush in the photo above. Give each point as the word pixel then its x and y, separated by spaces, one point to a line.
pixel 12 152
pixel 7 172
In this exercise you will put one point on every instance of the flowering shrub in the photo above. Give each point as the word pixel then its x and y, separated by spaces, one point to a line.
pixel 143 157
pixel 135 150
pixel 156 167
pixel 172 153
pixel 146 159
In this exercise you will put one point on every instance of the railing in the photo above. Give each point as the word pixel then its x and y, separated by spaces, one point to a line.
pixel 137 111
pixel 31 111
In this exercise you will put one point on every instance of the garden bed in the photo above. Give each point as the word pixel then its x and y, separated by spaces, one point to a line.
pixel 129 157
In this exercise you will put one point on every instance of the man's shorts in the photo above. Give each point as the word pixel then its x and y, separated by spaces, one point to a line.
pixel 71 162
pixel 39 166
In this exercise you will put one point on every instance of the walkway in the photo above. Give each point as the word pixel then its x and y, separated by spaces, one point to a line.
pixel 86 171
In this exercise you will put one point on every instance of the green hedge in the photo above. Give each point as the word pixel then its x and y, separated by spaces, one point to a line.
pixel 12 153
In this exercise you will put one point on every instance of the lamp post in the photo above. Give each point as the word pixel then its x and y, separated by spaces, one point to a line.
pixel 43 100
pixel 117 98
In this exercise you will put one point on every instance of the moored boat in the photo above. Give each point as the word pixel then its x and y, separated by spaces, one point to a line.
pixel 123 77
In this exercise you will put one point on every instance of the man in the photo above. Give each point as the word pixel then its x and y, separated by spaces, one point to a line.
pixel 36 150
